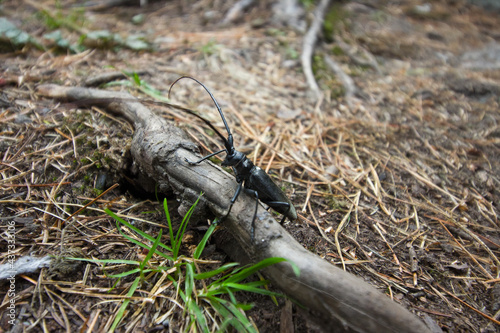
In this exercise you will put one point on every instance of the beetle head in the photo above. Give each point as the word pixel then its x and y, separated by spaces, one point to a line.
pixel 234 158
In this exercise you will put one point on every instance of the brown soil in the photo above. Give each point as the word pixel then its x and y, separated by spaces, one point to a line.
pixel 407 169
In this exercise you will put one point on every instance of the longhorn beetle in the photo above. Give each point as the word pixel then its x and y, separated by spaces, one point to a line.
pixel 257 181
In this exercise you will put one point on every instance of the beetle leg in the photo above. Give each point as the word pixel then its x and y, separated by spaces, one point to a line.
pixel 235 196
pixel 256 195
pixel 237 193
pixel 252 231
pixel 273 204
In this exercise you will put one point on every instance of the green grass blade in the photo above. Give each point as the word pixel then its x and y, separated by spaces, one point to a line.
pixel 169 221
pixel 252 289
pixel 257 283
pixel 203 242
pixel 246 272
pixel 223 327
pixel 136 242
pixel 229 319
pixel 114 286
pixel 244 307
pixel 231 295
pixel 219 288
pixel 242 319
pixel 231 288
pixel 156 193
pixel 295 268
pixel 195 311
pixel 124 305
pixel 135 81
pixel 225 277
pixel 209 274
pixel 182 228
pixel 177 287
pixel 189 279
pixel 152 250
pixel 135 78
pixel 140 232
pixel 120 275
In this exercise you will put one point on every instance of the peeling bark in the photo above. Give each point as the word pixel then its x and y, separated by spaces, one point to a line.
pixel 340 300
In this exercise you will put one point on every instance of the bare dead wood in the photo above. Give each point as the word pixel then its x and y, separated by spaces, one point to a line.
pixel 333 295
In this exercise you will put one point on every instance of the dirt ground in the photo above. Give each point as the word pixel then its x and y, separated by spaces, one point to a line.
pixel 397 182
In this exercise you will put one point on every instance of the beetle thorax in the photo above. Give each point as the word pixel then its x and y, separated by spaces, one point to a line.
pixel 239 162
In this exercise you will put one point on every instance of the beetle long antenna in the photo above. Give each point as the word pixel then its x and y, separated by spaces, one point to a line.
pixel 191 112
pixel 230 136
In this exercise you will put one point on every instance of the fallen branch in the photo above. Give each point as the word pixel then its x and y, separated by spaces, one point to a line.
pixel 339 299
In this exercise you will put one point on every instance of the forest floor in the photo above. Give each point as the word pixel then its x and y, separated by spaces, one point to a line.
pixel 400 179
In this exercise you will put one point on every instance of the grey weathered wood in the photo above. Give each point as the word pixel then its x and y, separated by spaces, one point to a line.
pixel 335 296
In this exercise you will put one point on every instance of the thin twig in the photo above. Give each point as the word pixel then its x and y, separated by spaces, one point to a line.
pixel 91 202
pixel 481 268
pixel 470 307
